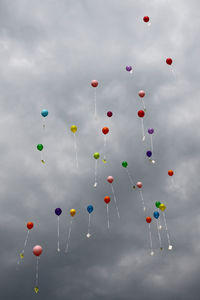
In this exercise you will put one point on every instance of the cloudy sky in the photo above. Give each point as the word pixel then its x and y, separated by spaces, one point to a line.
pixel 49 53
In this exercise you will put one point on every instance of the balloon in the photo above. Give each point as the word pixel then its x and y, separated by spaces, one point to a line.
pixel 37 250
pixel 169 61
pixel 149 153
pixel 110 179
pixel 72 212
pixel 73 128
pixel 90 209
pixel 105 130
pixel 170 173
pixel 30 225
pixel 58 211
pixel 44 112
pixel 94 83
pixel 124 164
pixel 157 204
pixel 96 155
pixel 148 219
pixel 141 113
pixel 141 94
pixel 128 68
pixel 146 19
pixel 40 147
pixel 150 130
pixel 162 207
pixel 139 184
pixel 107 199
pixel 156 214
pixel 109 114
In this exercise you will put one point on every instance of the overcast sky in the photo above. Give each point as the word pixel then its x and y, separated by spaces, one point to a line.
pixel 49 53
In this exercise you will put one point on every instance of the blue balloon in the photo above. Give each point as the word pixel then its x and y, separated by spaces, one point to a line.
pixel 156 214
pixel 90 209
pixel 44 112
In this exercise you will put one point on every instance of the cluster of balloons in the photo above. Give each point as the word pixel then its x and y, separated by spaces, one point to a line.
pixel 160 207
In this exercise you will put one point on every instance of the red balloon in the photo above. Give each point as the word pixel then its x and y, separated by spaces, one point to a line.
pixel 107 199
pixel 94 83
pixel 170 173
pixel 110 179
pixel 29 225
pixel 141 94
pixel 148 219
pixel 141 113
pixel 169 61
pixel 139 184
pixel 105 130
pixel 109 114
pixel 146 19
pixel 37 250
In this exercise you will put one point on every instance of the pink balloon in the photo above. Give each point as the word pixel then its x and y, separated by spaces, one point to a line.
pixel 139 184
pixel 37 250
pixel 141 94
pixel 110 179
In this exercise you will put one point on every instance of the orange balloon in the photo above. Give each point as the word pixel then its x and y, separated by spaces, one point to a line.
pixel 170 173
pixel 107 199
pixel 105 130
pixel 29 225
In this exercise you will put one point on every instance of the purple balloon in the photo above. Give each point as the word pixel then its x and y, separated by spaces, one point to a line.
pixel 58 211
pixel 109 114
pixel 150 130
pixel 128 68
pixel 149 153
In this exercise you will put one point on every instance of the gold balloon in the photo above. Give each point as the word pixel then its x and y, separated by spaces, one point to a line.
pixel 162 207
pixel 73 128
pixel 72 212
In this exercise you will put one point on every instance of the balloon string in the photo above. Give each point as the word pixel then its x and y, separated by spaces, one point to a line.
pixel 159 237
pixel 25 242
pixel 143 136
pixel 41 156
pixel 58 242
pixel 44 124
pixel 167 232
pixel 104 147
pixel 143 104
pixel 37 272
pixel 173 72
pixel 108 217
pixel 150 238
pixel 159 224
pixel 68 239
pixel 129 176
pixel 89 225
pixel 142 199
pixel 95 104
pixel 151 144
pixel 173 184
pixel 95 173
pixel 75 148
pixel 115 200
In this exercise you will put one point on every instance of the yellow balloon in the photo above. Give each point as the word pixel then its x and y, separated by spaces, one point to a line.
pixel 162 207
pixel 73 128
pixel 72 212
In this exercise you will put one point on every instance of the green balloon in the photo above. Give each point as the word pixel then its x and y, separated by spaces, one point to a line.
pixel 124 164
pixel 40 147
pixel 157 204
pixel 96 155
